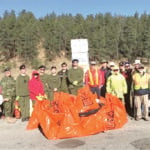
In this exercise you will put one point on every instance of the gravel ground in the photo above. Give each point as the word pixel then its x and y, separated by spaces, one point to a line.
pixel 135 135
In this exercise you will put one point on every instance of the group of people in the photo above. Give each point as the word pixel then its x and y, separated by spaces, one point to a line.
pixel 130 83
pixel 121 81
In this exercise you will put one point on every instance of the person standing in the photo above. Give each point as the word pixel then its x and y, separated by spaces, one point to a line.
pixel 75 76
pixel 8 93
pixel 111 65
pixel 141 90
pixel 43 77
pixel 122 69
pixel 128 97
pixel 22 93
pixel 116 84
pixel 53 82
pixel 136 64
pixel 36 87
pixel 93 78
pixel 63 73
pixel 105 70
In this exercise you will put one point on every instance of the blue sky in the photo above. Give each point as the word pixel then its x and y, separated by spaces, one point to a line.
pixel 41 8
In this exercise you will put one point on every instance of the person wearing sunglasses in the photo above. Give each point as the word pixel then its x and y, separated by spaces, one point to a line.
pixel 116 84
pixel 93 79
pixel 141 86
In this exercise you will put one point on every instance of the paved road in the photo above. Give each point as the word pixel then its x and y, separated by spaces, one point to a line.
pixel 135 135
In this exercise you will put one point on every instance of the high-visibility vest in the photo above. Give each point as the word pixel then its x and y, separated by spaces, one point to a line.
pixel 91 82
pixel 140 81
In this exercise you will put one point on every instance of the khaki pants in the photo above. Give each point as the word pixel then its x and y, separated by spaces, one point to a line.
pixel 143 99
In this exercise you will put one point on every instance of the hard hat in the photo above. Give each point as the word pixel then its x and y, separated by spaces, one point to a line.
pixel 115 67
pixel 111 63
pixel 93 62
pixel 137 61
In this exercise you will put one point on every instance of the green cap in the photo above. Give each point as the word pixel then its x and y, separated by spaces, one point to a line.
pixel 104 61
pixel 6 69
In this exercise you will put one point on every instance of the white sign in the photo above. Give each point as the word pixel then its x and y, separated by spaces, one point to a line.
pixel 79 48
pixel 1 99
pixel 79 45
pixel 82 57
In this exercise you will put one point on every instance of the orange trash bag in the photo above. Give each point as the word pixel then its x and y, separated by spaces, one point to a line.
pixel 116 115
pixel 75 116
pixel 17 112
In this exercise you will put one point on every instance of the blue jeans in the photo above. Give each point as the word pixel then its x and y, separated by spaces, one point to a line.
pixel 96 90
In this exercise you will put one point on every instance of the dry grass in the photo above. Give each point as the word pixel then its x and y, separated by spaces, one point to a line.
pixel 15 63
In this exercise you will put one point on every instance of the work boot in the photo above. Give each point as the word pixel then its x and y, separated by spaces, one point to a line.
pixel 3 117
pixel 10 120
pixel 99 102
pixel 137 118
pixel 23 119
pixel 146 119
pixel 27 118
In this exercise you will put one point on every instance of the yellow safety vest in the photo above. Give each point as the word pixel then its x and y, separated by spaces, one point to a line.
pixel 91 77
pixel 140 81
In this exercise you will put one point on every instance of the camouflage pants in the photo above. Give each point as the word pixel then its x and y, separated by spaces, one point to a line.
pixel 8 107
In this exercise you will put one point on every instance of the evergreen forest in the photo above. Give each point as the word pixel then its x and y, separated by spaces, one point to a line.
pixel 109 36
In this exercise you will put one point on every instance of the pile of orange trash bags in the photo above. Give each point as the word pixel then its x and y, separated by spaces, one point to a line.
pixel 75 116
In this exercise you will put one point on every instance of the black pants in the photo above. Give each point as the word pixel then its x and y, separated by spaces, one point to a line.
pixel 96 90
pixel 103 90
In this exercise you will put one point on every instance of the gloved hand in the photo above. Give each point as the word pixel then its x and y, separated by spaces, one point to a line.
pixel 1 99
pixel 55 89
pixel 97 100
pixel 100 86
pixel 75 82
pixel 17 98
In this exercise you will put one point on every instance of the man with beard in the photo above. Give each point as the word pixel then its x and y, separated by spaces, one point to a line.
pixel 93 78
pixel 75 76
pixel 63 74
pixel 43 77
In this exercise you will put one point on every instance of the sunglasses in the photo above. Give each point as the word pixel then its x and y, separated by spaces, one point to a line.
pixel 115 70
pixel 36 74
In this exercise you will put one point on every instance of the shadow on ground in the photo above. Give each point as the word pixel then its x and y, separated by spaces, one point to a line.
pixel 70 143
pixel 142 144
